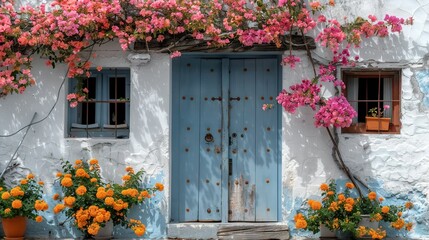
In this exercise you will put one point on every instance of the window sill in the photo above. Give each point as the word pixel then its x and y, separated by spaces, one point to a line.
pixel 361 129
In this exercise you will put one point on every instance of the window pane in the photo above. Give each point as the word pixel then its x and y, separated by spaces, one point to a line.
pixel 87 110
pixel 119 86
pixel 90 83
pixel 87 113
pixel 117 114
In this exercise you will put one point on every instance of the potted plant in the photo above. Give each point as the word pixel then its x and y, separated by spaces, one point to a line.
pixel 376 121
pixel 344 214
pixel 93 203
pixel 19 203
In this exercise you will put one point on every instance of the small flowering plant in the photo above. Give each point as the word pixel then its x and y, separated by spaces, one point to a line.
pixel 377 112
pixel 24 199
pixel 340 211
pixel 91 202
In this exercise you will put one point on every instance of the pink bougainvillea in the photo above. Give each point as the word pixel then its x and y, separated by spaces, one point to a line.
pixel 72 26
pixel 336 112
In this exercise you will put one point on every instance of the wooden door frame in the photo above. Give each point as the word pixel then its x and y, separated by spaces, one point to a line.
pixel 174 216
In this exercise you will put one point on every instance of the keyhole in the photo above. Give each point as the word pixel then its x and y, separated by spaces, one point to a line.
pixel 209 138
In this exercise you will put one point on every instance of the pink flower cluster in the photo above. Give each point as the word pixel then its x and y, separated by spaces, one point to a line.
pixel 337 112
pixel 304 94
pixel 291 60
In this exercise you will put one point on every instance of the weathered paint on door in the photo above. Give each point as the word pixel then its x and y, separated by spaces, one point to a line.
pixel 252 136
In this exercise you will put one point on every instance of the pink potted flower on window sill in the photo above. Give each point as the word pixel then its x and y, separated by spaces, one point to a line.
pixel 375 120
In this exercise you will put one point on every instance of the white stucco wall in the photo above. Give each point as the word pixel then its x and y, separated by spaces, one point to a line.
pixel 395 165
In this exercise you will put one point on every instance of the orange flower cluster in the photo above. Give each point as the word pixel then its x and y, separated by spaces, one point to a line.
pixel 92 202
pixel 138 227
pixel 91 218
pixel 300 222
pixel 20 200
pixel 341 211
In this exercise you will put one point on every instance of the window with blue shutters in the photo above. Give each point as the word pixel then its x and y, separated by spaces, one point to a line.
pixel 106 111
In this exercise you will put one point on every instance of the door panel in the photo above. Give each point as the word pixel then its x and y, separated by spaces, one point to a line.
pixel 197 139
pixel 210 141
pixel 242 188
pixel 267 141
pixel 189 145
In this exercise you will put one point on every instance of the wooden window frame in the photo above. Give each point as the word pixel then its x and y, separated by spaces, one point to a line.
pixel 395 103
pixel 102 113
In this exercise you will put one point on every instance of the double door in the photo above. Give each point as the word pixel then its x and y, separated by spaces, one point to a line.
pixel 225 147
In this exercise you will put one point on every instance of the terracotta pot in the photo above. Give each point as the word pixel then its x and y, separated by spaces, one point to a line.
pixel 105 232
pixel 14 228
pixel 376 124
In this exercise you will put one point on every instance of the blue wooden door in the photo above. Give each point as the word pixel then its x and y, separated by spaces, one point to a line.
pixel 202 89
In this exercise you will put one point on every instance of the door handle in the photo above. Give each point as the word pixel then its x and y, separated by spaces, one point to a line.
pixel 209 138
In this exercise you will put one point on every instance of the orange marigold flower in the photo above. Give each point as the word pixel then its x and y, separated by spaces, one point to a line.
pixel 129 169
pixel 159 186
pixel 350 201
pixel 24 181
pixel 145 194
pixel 109 201
pixel 107 216
pixel 93 161
pixel 408 226
pixel 81 190
pixel 39 219
pixel 93 180
pixel 409 205
pixel 81 173
pixel 17 204
pixel 5 195
pixel 333 207
pixel 324 187
pixel 68 175
pixel 341 197
pixel 350 185
pixel 385 209
pixel 316 205
pixel 348 207
pixel 59 174
pixel 110 193
pixel 398 224
pixel 30 176
pixel 16 191
pixel 331 2
pixel 41 183
pixel 126 177
pixel 99 218
pixel 78 162
pixel 7 211
pixel 372 195
pixel 56 196
pixel 301 224
pixel 40 205
pixel 67 182
pixel 330 193
pixel 69 201
pixel 101 194
pixel 93 210
pixel 93 228
pixel 58 208
pixel 399 214
pixel 380 199
pixel 139 231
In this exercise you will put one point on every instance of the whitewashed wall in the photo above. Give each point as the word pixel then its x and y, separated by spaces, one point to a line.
pixel 396 166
